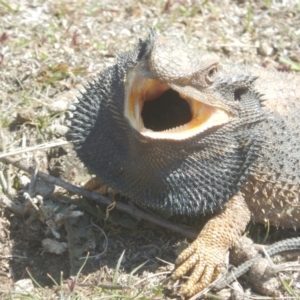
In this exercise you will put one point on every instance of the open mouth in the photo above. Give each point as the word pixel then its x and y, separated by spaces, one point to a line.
pixel 159 112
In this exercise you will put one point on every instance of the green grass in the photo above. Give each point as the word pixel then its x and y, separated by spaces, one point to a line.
pixel 295 66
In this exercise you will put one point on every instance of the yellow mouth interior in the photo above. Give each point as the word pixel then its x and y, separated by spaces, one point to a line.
pixel 158 112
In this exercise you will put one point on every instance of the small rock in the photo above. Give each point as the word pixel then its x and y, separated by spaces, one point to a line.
pixel 295 56
pixel 237 292
pixel 24 285
pixel 59 106
pixel 224 294
pixel 265 49
pixel 125 32
pixel 62 101
pixel 24 180
pixel 25 115
pixel 58 129
pixel 54 246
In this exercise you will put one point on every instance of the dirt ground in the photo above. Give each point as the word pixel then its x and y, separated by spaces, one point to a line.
pixel 48 51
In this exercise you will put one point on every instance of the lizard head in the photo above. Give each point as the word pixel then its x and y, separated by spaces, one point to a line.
pixel 169 127
pixel 176 93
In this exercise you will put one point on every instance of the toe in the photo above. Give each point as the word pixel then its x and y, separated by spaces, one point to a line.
pixel 185 254
pixel 185 266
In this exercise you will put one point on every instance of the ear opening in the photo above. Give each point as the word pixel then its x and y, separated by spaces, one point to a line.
pixel 239 93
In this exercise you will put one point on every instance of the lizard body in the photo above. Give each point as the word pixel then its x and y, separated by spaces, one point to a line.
pixel 272 192
pixel 177 130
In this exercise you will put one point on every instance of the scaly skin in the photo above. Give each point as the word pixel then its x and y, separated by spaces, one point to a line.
pixel 244 166
pixel 272 191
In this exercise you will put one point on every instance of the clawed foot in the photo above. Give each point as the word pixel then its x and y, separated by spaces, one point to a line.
pixel 208 252
pixel 207 261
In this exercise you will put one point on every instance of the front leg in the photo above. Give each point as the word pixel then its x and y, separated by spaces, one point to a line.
pixel 207 253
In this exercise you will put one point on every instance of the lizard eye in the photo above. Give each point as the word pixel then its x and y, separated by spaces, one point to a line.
pixel 211 75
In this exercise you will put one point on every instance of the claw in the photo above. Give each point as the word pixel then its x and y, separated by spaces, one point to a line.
pixel 201 277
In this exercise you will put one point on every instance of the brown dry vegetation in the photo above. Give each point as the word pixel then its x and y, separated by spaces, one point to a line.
pixel 49 50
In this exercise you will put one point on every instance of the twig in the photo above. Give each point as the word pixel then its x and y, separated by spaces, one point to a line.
pixel 137 213
pixel 12 256
pixel 151 276
pixel 28 198
pixel 107 286
pixel 6 183
pixel 17 209
pixel 37 147
pixel 5 274
pixel 238 45
pixel 31 188
pixel 9 180
pixel 3 181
